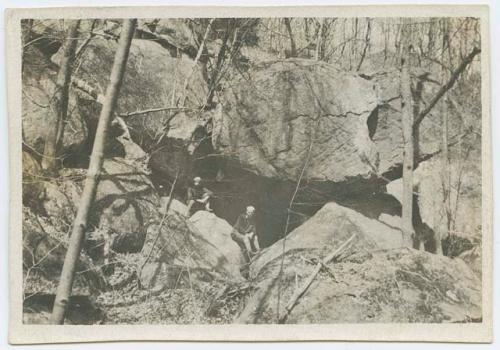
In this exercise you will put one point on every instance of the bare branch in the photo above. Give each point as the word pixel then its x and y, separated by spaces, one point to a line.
pixel 155 110
pixel 449 84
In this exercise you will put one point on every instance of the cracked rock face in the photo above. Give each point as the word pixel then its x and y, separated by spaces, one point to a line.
pixel 294 109
pixel 350 123
pixel 270 121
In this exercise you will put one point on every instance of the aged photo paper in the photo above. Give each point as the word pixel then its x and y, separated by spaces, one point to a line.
pixel 250 174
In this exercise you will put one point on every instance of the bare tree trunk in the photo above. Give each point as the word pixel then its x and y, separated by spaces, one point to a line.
pixel 407 121
pixel 59 104
pixel 444 230
pixel 319 40
pixel 195 64
pixel 92 180
pixel 221 57
pixel 307 36
pixel 293 48
pixel 367 43
pixel 417 99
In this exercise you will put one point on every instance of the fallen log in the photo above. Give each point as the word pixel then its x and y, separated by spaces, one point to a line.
pixel 296 296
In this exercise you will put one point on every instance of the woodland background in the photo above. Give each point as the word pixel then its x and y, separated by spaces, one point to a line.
pixel 333 128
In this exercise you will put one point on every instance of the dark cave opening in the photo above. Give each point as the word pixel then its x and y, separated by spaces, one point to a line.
pixel 235 188
pixel 372 122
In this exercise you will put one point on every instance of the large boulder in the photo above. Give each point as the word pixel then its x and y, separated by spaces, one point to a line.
pixel 271 121
pixel 282 112
pixel 218 232
pixel 375 280
pixel 125 200
pixel 153 79
pixel 215 230
pixel 328 228
pixel 175 205
pixel 401 285
pixel 176 254
pixel 38 116
pixel 465 196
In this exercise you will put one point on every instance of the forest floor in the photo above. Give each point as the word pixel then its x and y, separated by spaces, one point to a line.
pixel 210 302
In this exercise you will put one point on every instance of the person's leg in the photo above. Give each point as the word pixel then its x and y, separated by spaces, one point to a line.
pixel 245 259
pixel 255 241
pixel 197 206
pixel 205 201
pixel 246 241
pixel 244 264
pixel 207 207
pixel 189 206
pixel 241 240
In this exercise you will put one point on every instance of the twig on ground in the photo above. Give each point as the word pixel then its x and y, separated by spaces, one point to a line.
pixel 296 296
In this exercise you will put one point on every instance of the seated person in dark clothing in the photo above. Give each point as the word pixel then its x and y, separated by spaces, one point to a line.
pixel 245 235
pixel 198 197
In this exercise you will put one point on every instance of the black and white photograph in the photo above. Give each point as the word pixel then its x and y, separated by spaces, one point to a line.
pixel 244 170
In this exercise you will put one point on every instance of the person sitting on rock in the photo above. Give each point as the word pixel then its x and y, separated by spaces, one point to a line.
pixel 198 198
pixel 245 235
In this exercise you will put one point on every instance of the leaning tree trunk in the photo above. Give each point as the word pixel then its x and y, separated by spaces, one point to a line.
pixel 407 124
pixel 92 180
pixel 59 104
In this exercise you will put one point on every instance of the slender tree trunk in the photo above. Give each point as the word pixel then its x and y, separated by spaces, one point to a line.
pixel 407 121
pixel 416 99
pixel 195 64
pixel 221 56
pixel 443 231
pixel 92 180
pixel 307 36
pixel 59 104
pixel 293 48
pixel 319 40
pixel 367 43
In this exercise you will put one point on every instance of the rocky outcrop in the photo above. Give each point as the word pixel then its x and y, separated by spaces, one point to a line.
pixel 175 205
pixel 373 281
pixel 38 92
pixel 465 206
pixel 141 90
pixel 176 254
pixel 269 122
pixel 218 232
pixel 125 202
pixel 328 228
pixel 399 285
pixel 154 79
pixel 283 112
